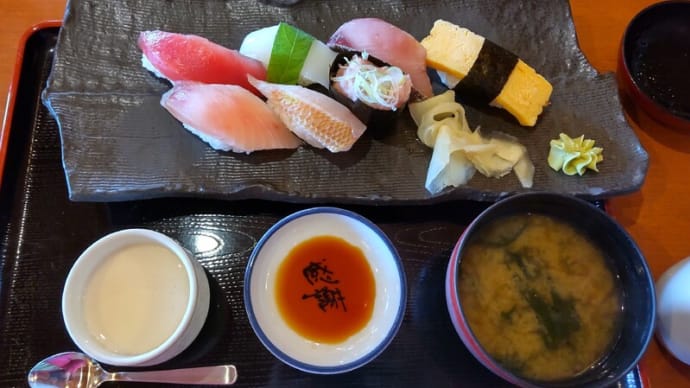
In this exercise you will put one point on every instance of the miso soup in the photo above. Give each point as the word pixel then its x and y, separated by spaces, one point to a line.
pixel 539 296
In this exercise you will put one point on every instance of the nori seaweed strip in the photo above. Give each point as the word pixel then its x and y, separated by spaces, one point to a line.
pixel 488 74
pixel 558 319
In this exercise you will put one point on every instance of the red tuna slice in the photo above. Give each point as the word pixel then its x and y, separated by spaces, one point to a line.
pixel 179 57
pixel 389 44
pixel 228 117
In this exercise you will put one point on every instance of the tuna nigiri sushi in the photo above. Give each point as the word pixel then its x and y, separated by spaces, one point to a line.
pixel 388 43
pixel 316 118
pixel 228 117
pixel 179 57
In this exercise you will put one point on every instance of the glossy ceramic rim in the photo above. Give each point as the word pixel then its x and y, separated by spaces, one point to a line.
pixel 669 325
pixel 457 315
pixel 630 86
pixel 282 354
pixel 196 309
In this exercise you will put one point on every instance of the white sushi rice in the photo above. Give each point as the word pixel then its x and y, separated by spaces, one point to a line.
pixel 212 141
pixel 449 80
pixel 149 66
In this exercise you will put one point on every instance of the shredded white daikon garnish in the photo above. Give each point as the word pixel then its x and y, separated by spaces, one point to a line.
pixel 379 87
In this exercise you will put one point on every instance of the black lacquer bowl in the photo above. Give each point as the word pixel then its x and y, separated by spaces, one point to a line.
pixel 623 258
pixel 654 60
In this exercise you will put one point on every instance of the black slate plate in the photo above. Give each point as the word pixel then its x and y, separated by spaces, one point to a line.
pixel 119 144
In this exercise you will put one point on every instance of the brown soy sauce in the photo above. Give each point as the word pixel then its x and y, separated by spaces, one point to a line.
pixel 325 289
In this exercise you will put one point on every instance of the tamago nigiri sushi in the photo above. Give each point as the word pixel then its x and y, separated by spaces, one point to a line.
pixel 316 118
pixel 388 43
pixel 485 73
pixel 179 57
pixel 228 117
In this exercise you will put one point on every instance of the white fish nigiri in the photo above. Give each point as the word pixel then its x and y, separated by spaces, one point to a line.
pixel 317 62
pixel 314 117
pixel 388 43
pixel 228 117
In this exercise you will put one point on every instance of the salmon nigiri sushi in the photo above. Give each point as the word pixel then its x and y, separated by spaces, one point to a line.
pixel 179 57
pixel 228 117
pixel 317 119
pixel 388 43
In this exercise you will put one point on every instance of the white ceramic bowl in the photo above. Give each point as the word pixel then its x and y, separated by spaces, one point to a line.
pixel 73 299
pixel 289 346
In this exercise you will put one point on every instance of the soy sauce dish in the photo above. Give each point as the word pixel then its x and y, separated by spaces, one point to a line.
pixel 547 290
pixel 325 290
pixel 654 60
pixel 135 298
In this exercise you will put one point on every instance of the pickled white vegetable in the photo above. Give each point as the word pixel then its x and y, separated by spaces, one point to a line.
pixel 459 151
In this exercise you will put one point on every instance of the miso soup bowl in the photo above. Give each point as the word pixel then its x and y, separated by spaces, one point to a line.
pixel 196 303
pixel 288 345
pixel 623 258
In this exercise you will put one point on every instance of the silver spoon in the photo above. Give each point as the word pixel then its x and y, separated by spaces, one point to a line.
pixel 72 369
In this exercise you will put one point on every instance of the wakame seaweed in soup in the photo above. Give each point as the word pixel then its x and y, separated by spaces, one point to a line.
pixel 539 296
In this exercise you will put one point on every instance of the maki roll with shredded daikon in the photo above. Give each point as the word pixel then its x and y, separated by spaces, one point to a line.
pixel 388 43
pixel 481 72
pixel 372 89
pixel 291 56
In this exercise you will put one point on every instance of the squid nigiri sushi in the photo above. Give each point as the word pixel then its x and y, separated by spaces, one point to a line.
pixel 316 118
pixel 388 43
pixel 290 55
pixel 179 57
pixel 228 117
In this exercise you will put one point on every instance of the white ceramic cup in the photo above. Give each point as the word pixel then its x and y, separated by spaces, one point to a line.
pixel 73 308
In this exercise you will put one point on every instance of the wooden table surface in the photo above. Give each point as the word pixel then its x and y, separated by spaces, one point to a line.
pixel 657 216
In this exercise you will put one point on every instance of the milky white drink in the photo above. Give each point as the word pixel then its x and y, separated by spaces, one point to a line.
pixel 136 298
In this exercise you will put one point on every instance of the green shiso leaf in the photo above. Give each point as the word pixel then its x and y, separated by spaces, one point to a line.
pixel 290 49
